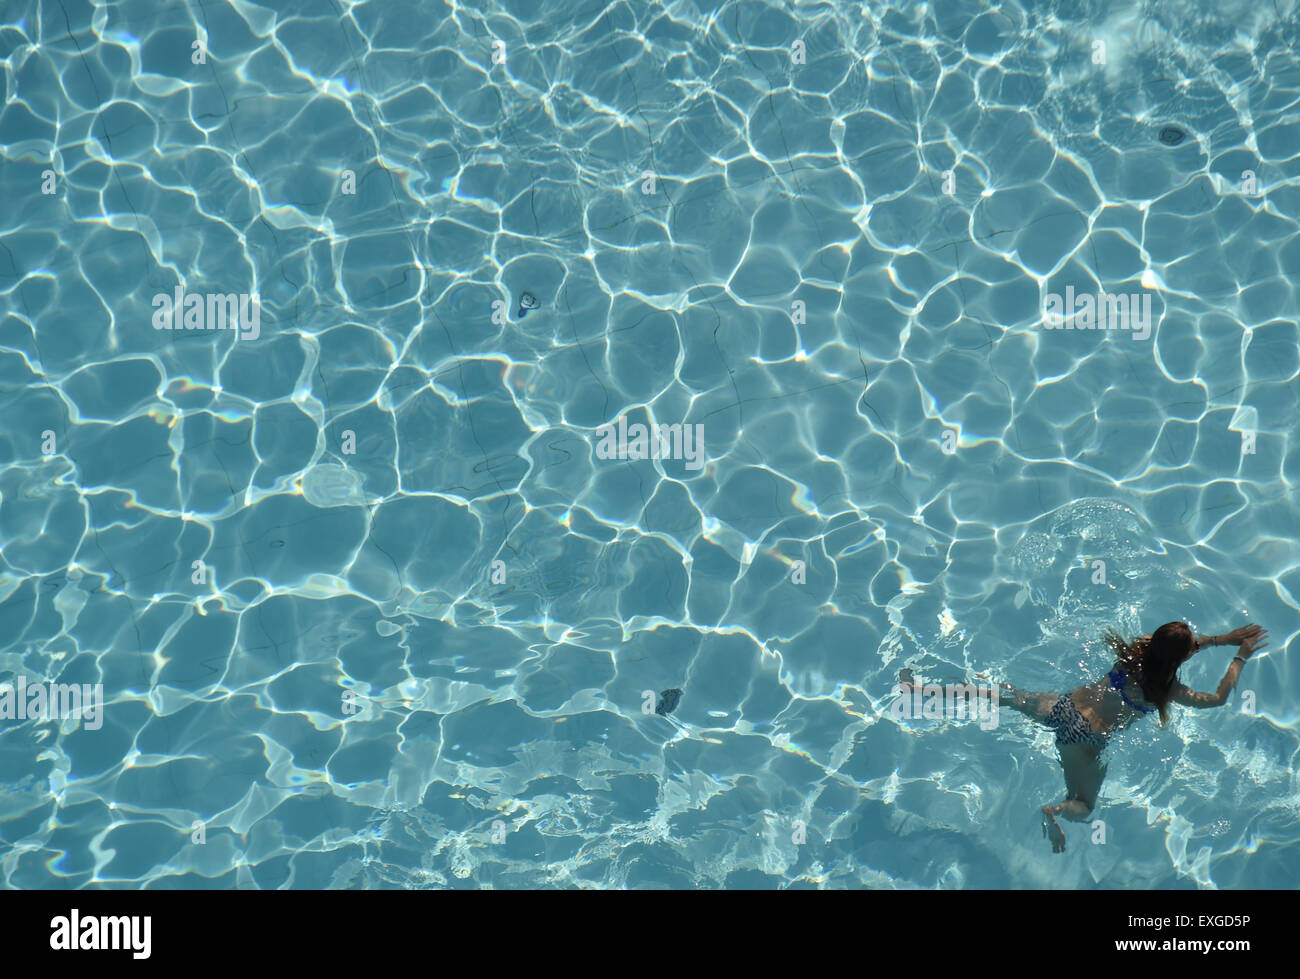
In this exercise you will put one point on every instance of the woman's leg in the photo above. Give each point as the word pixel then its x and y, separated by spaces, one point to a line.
pixel 1084 774
pixel 1035 706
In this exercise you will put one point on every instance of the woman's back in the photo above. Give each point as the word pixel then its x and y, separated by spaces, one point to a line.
pixel 1114 701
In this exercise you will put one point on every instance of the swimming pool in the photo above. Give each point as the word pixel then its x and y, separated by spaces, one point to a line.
pixel 384 572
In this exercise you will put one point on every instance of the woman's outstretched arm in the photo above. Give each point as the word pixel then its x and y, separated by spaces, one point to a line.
pixel 1191 698
pixel 1233 638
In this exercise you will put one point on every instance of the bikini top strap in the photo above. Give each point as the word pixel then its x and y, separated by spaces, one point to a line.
pixel 1118 680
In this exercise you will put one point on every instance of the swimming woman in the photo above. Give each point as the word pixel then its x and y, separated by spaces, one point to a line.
pixel 1144 680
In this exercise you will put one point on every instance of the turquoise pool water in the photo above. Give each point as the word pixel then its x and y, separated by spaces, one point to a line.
pixel 371 606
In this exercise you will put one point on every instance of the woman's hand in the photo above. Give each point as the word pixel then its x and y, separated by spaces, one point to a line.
pixel 1238 636
pixel 1253 644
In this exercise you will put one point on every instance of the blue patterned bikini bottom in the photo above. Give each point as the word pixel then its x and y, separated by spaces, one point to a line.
pixel 1071 726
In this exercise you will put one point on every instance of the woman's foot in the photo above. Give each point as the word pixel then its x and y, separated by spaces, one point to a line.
pixel 1052 830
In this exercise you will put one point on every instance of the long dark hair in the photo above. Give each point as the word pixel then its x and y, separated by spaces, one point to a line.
pixel 1152 661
